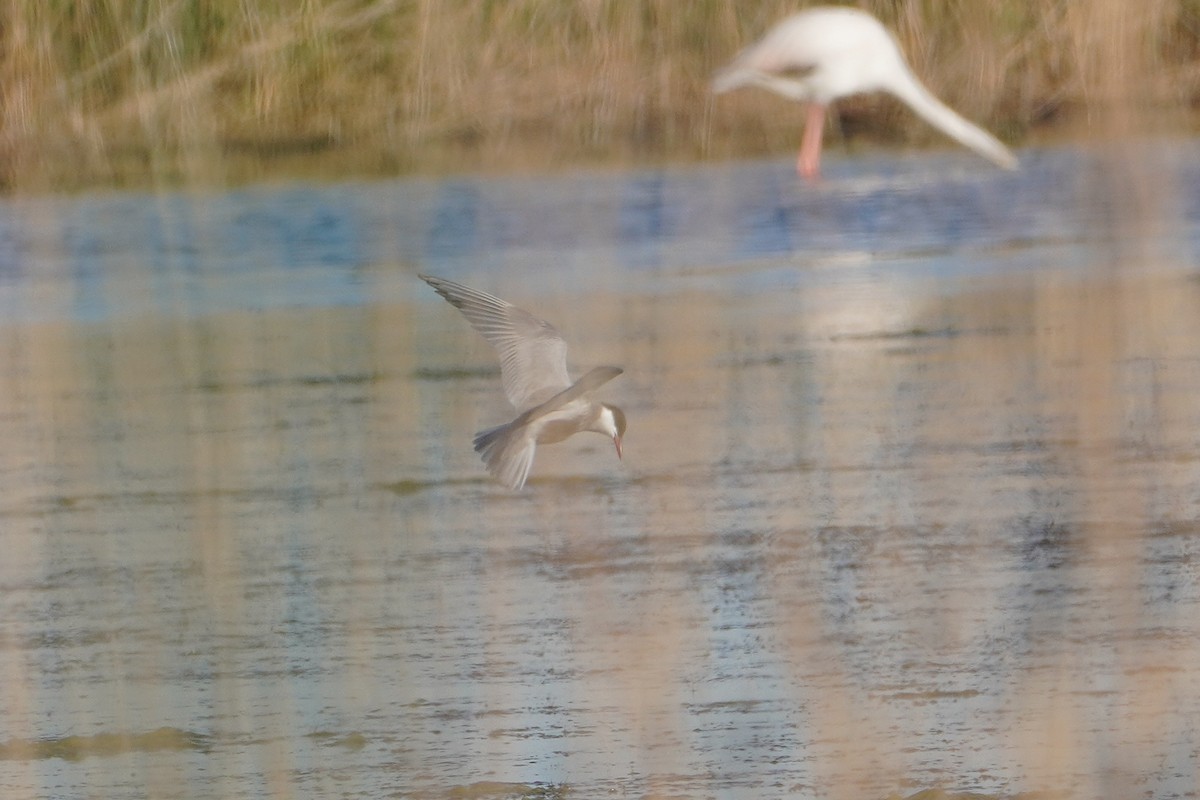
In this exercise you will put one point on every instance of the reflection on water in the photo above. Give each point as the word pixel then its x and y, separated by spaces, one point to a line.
pixel 909 497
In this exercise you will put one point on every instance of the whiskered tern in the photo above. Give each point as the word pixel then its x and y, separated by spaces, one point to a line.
pixel 533 368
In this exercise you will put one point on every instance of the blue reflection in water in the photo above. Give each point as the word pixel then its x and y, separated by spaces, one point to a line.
pixel 765 227
pixel 303 245
pixel 455 230
pixel 12 255
pixel 643 221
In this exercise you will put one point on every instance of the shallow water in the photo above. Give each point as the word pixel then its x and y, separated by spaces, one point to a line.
pixel 909 497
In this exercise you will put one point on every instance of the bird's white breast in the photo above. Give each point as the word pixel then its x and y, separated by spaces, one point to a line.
pixel 575 416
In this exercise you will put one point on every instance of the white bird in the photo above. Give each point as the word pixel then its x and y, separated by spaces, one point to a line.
pixel 825 53
pixel 533 368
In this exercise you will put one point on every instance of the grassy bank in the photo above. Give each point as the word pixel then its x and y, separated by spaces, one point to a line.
pixel 98 92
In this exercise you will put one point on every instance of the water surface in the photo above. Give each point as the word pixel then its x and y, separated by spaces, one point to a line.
pixel 909 495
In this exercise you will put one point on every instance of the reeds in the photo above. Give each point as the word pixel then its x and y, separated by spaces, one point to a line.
pixel 102 92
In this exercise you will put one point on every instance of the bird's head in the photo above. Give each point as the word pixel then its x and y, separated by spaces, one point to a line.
pixel 612 423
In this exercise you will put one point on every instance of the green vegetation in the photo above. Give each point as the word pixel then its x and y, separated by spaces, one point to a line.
pixel 115 92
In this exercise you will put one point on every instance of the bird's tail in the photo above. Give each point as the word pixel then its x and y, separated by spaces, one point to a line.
pixel 507 450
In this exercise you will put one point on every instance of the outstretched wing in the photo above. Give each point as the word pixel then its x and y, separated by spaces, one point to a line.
pixel 533 354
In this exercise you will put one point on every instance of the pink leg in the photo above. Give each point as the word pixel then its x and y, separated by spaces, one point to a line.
pixel 809 163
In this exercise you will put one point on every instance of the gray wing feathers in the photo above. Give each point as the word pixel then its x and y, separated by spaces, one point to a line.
pixel 593 379
pixel 533 354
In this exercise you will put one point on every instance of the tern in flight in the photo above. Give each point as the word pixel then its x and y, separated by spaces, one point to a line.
pixel 533 368
pixel 825 53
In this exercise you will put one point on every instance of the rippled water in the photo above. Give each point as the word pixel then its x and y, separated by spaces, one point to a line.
pixel 909 498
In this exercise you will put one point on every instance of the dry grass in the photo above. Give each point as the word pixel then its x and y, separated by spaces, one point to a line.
pixel 102 92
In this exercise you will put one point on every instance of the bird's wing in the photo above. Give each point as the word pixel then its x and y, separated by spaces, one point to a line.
pixel 593 379
pixel 533 354
pixel 817 55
